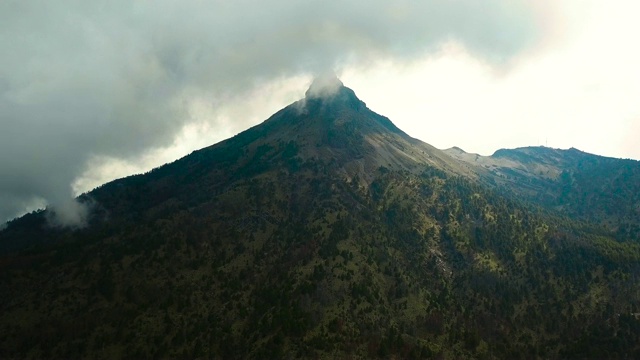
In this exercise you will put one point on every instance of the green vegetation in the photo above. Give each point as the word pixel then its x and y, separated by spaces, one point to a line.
pixel 593 188
pixel 299 239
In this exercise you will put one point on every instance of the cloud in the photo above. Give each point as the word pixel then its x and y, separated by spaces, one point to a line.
pixel 577 89
pixel 70 213
pixel 324 85
pixel 81 80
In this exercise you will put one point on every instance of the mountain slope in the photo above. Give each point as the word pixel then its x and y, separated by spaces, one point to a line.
pixel 336 130
pixel 323 232
pixel 593 188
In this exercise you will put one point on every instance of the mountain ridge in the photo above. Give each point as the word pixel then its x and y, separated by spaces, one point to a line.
pixel 596 188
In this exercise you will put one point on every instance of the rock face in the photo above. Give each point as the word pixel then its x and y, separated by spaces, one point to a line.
pixel 325 231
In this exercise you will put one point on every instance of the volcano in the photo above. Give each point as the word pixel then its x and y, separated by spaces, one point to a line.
pixel 325 232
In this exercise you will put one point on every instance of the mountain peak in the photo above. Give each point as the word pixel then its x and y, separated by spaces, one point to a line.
pixel 328 90
pixel 325 85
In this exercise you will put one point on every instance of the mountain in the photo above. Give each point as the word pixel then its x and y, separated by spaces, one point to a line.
pixel 593 188
pixel 323 232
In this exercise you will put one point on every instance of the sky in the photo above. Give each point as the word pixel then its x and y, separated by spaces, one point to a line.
pixel 91 91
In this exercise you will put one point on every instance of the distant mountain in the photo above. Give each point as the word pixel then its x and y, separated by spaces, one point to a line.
pixel 593 188
pixel 327 232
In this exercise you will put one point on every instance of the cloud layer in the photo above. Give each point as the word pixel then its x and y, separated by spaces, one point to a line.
pixel 87 79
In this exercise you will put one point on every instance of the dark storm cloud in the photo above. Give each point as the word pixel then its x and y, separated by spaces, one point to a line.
pixel 84 78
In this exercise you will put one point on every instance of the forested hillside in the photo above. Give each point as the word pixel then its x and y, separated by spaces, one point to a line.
pixel 583 186
pixel 324 232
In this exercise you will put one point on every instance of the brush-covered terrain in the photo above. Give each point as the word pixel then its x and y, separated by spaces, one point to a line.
pixel 324 232
pixel 583 186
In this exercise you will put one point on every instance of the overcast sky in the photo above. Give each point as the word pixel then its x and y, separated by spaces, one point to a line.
pixel 95 90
